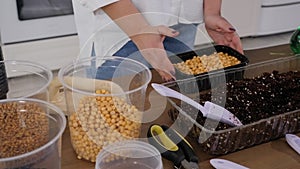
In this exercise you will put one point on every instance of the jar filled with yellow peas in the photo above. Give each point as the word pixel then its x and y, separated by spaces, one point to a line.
pixel 105 99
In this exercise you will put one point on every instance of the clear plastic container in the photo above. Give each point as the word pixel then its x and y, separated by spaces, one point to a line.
pixel 216 138
pixel 105 100
pixel 31 132
pixel 26 79
pixel 128 155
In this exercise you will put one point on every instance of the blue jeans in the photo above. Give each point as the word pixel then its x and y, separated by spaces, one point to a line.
pixel 184 42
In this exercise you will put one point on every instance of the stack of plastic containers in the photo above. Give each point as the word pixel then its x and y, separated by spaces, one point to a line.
pixel 31 127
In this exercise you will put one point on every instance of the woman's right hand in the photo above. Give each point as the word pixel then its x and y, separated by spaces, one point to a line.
pixel 149 39
pixel 150 43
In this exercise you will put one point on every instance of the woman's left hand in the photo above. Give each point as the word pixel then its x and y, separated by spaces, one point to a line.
pixel 222 32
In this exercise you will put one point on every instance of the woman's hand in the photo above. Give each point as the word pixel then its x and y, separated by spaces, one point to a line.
pixel 149 39
pixel 222 32
pixel 150 43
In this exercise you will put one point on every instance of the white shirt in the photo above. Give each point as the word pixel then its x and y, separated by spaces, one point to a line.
pixel 98 28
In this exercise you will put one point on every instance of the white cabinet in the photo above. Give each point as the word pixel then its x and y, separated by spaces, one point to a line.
pixel 278 2
pixel 278 16
pixel 53 53
pixel 258 17
pixel 242 14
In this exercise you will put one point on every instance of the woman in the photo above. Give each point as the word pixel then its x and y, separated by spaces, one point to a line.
pixel 149 30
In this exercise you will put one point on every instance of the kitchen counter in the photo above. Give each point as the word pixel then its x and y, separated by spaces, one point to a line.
pixel 275 154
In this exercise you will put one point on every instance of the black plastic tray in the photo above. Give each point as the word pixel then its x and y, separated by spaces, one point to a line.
pixel 206 80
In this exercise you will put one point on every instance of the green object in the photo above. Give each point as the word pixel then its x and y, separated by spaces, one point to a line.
pixel 295 41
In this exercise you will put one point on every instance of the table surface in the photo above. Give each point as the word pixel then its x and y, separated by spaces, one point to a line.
pixel 275 154
pixel 272 155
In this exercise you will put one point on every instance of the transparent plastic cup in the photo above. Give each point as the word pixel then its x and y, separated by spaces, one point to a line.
pixel 105 98
pixel 128 155
pixel 31 134
pixel 24 79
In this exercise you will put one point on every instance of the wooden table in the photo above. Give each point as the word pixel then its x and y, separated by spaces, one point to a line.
pixel 272 155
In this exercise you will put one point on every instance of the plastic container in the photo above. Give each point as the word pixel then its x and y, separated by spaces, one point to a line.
pixel 295 41
pixel 129 154
pixel 273 110
pixel 26 79
pixel 211 78
pixel 31 132
pixel 103 111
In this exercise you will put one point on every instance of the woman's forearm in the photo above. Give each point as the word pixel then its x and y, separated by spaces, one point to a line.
pixel 126 16
pixel 212 7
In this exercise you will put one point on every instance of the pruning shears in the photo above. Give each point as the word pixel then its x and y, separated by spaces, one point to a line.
pixel 173 146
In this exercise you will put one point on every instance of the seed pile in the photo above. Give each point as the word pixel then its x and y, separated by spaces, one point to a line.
pixel 23 128
pixel 102 120
pixel 206 63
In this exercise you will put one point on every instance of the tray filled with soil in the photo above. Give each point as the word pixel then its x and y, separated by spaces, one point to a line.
pixel 266 100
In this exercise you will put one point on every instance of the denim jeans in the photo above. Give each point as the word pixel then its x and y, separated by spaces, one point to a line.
pixel 184 42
